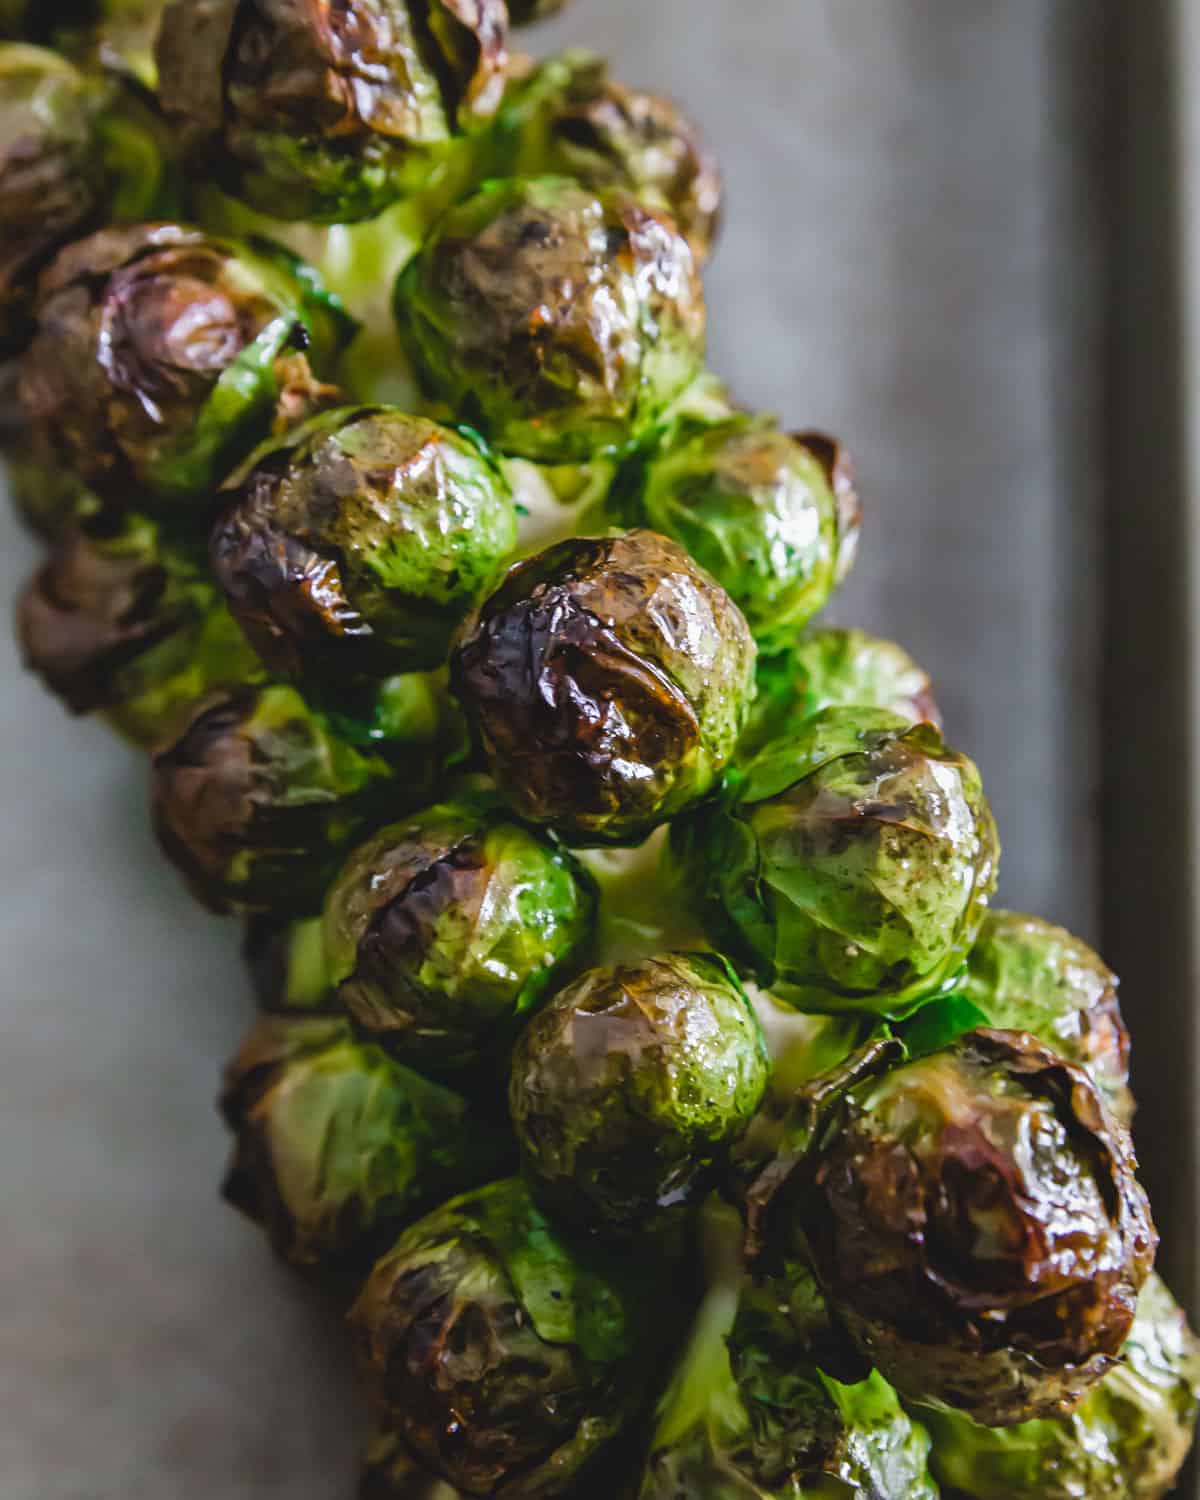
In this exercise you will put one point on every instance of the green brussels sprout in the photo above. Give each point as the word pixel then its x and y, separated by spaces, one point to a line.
pixel 117 620
pixel 630 1086
pixel 1127 1441
pixel 558 320
pixel 444 932
pixel 287 966
pixel 973 1217
pixel 568 118
pixel 257 799
pixel 525 12
pixel 164 356
pixel 503 1357
pixel 774 518
pixel 766 1404
pixel 75 150
pixel 361 542
pixel 1024 974
pixel 832 668
pixel 338 1146
pixel 608 680
pixel 327 112
pixel 852 866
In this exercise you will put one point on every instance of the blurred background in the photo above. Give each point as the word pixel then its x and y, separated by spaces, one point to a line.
pixel 954 239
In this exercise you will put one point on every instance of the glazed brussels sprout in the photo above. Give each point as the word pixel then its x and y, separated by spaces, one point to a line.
pixel 256 800
pixel 163 356
pixel 833 668
pixel 766 1404
pixel 75 150
pixel 608 680
pixel 327 112
pixel 338 1146
pixel 773 518
pixel 974 1218
pixel 287 967
pixel 117 620
pixel 360 543
pixel 1024 974
pixel 1126 1441
pixel 444 932
pixel 853 866
pixel 631 1085
pixel 502 1356
pixel 568 118
pixel 558 320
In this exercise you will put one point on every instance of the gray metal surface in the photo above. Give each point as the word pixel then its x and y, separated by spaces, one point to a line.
pixel 912 259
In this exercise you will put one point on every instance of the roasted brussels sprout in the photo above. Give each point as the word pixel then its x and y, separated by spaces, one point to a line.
pixel 163 356
pixel 766 513
pixel 287 967
pixel 558 320
pixel 767 1404
pixel 568 118
pixel 360 543
pixel 327 112
pixel 832 668
pixel 444 932
pixel 118 620
pixel 853 866
pixel 629 1087
pixel 1024 974
pixel 1126 1441
pixel 502 1356
pixel 75 150
pixel 257 799
pixel 974 1218
pixel 338 1146
pixel 608 680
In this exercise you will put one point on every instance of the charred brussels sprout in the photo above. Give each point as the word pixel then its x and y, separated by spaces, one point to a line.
pixel 632 1084
pixel 338 1146
pixel 853 867
pixel 257 798
pixel 444 932
pixel 361 542
pixel 287 966
pixel 558 320
pixel 774 518
pixel 503 1357
pixel 1027 975
pixel 75 150
pixel 1126 1441
pixel 766 1404
pixel 569 118
pixel 119 621
pixel 974 1219
pixel 609 680
pixel 163 356
pixel 833 668
pixel 327 112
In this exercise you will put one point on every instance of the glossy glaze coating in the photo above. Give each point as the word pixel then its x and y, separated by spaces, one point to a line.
pixel 854 868
pixel 325 111
pixel 976 1222
pixel 163 356
pixel 608 680
pixel 631 1085
pixel 446 931
pixel 504 1357
pixel 758 509
pixel 337 1147
pixel 1126 1441
pixel 256 799
pixel 1028 975
pixel 361 543
pixel 568 118
pixel 558 320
